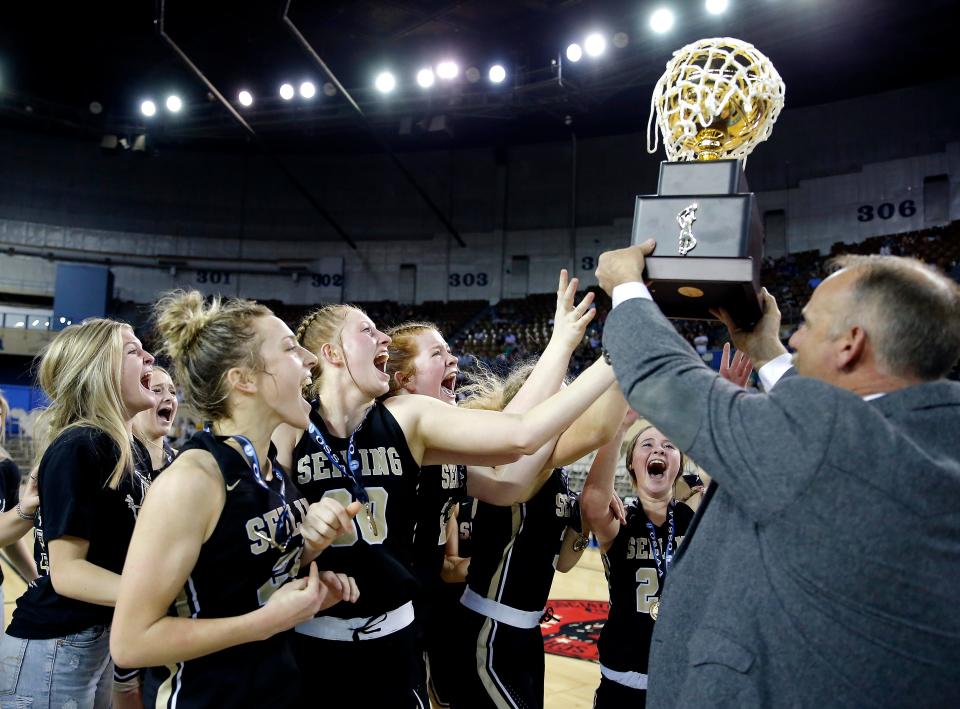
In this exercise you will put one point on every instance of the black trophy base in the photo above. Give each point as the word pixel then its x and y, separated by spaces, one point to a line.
pixel 723 267
pixel 686 287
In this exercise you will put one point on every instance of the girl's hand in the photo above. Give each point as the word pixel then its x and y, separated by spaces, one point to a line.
pixel 325 521
pixel 628 420
pixel 617 509
pixel 299 600
pixel 738 370
pixel 569 322
pixel 30 497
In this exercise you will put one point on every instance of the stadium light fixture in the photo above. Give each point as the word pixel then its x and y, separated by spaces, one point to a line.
pixel 574 53
pixel 245 98
pixel 385 82
pixel 286 91
pixel 661 21
pixel 308 90
pixel 497 74
pixel 148 108
pixel 425 78
pixel 716 7
pixel 595 44
pixel 447 70
pixel 174 104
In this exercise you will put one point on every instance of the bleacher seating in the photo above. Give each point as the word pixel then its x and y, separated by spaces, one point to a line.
pixel 516 329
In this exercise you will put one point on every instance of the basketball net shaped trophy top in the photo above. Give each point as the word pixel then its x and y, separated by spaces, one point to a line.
pixel 717 100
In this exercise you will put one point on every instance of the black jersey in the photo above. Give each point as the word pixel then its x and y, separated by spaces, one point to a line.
pixel 75 501
pixel 235 573
pixel 465 515
pixel 379 560
pixel 9 488
pixel 441 488
pixel 515 548
pixel 635 585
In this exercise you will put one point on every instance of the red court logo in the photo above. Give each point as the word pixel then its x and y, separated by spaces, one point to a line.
pixel 575 628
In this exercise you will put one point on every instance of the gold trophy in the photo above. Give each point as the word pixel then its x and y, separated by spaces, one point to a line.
pixel 716 101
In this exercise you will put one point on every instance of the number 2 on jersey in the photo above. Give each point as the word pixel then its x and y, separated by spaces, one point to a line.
pixel 378 503
pixel 648 584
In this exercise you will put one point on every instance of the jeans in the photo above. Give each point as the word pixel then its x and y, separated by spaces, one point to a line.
pixel 73 672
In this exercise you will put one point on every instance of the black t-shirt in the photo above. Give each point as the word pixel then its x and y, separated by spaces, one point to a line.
pixel 9 488
pixel 235 573
pixel 515 548
pixel 635 585
pixel 75 501
pixel 381 562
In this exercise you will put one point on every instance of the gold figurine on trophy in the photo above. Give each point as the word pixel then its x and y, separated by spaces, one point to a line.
pixel 717 100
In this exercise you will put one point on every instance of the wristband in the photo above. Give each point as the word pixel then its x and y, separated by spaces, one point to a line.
pixel 28 518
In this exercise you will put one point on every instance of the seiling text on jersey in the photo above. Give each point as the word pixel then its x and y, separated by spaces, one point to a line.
pixel 267 524
pixel 373 462
pixel 639 547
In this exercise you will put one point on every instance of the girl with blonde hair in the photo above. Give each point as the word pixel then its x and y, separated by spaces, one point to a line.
pixel 20 512
pixel 518 545
pixel 153 426
pixel 638 551
pixel 96 376
pixel 421 363
pixel 210 582
pixel 356 448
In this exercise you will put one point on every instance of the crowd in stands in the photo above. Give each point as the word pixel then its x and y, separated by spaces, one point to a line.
pixel 516 329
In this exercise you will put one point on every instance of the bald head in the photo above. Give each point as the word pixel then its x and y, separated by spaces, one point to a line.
pixel 910 311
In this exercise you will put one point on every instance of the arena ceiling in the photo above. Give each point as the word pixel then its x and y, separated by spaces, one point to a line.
pixel 57 59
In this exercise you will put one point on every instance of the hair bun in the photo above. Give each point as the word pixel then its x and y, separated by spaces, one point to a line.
pixel 181 317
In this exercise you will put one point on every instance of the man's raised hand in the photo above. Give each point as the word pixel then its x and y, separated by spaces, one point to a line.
pixel 763 342
pixel 623 265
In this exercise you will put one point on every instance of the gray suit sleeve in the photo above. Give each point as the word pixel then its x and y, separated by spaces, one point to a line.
pixel 762 448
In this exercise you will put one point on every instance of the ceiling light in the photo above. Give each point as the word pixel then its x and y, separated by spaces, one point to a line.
pixel 286 91
pixel 148 108
pixel 385 82
pixel 245 98
pixel 329 89
pixel 620 40
pixel 661 20
pixel 716 7
pixel 472 74
pixel 595 44
pixel 425 78
pixel 308 90
pixel 174 104
pixel 574 52
pixel 497 73
pixel 447 70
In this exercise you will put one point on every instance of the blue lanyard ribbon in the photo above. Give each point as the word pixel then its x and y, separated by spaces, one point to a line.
pixel 352 470
pixel 250 453
pixel 655 550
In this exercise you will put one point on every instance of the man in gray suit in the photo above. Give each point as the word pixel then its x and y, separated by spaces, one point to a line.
pixel 823 568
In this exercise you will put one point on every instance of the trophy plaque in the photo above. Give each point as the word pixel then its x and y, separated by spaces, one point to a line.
pixel 716 101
